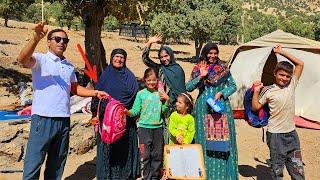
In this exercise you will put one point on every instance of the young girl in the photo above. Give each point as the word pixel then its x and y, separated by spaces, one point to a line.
pixel 181 124
pixel 150 104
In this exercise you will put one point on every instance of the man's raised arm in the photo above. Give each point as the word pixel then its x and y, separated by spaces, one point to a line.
pixel 25 57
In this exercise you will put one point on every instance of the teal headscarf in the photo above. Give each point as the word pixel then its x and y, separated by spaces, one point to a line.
pixel 173 75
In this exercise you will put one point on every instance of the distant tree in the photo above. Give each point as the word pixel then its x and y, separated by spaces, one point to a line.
pixel 298 26
pixel 65 18
pixel 169 25
pixel 54 10
pixel 317 27
pixel 198 20
pixel 13 9
pixel 77 23
pixel 231 24
pixel 33 13
pixel 110 23
pixel 258 24
pixel 203 25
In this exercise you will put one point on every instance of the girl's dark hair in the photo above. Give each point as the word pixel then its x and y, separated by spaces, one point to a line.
pixel 54 31
pixel 148 72
pixel 188 100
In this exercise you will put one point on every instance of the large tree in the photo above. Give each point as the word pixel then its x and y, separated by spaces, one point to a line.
pixel 93 13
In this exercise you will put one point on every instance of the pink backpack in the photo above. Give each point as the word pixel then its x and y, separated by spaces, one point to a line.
pixel 113 125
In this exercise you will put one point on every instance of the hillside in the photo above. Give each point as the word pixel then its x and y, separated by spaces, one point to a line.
pixel 283 7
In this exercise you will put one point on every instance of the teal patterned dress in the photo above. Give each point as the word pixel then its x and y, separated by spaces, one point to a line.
pixel 219 165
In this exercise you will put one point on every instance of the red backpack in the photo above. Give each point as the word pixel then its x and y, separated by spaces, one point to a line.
pixel 113 125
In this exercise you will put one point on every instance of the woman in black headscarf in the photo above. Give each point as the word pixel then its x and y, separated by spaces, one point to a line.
pixel 121 159
pixel 213 79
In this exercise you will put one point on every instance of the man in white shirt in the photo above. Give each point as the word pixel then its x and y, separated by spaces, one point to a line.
pixel 53 79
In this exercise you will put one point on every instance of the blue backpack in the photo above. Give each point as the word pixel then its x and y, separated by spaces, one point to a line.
pixel 256 119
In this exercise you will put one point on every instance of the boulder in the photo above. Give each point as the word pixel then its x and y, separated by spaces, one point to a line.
pixel 13 150
pixel 7 133
pixel 14 138
pixel 82 139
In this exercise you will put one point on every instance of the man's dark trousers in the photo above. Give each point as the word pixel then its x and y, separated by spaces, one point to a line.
pixel 48 135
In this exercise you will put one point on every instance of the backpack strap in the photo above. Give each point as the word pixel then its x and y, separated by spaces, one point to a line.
pixel 98 110
pixel 97 127
pixel 263 135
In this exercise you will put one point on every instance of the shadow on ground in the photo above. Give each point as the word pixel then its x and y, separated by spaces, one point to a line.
pixel 85 171
pixel 7 42
pixel 175 52
pixel 10 79
pixel 261 172
pixel 187 59
pixel 132 39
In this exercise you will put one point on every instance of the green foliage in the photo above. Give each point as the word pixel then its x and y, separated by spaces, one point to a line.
pixel 317 27
pixel 110 23
pixel 55 10
pixel 203 23
pixel 199 20
pixel 257 24
pixel 169 25
pixel 77 23
pixel 13 9
pixel 298 26
pixel 231 26
pixel 65 18
pixel 33 13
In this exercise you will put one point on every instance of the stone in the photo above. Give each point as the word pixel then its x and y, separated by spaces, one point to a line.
pixel 82 139
pixel 14 138
pixel 7 133
pixel 13 150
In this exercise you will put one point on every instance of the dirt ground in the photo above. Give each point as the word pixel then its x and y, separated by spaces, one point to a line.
pixel 253 153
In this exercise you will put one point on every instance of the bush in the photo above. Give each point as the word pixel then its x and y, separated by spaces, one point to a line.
pixel 110 23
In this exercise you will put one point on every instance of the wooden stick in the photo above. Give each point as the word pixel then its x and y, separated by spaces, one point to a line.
pixel 42 11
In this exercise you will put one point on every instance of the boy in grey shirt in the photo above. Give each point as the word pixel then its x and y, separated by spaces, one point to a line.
pixel 282 138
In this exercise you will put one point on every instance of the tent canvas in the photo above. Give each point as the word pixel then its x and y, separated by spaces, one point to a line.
pixel 256 61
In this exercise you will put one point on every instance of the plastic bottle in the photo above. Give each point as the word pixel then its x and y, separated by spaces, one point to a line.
pixel 160 86
pixel 215 104
pixel 22 93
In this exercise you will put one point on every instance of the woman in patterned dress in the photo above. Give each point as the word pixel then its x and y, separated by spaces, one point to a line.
pixel 219 165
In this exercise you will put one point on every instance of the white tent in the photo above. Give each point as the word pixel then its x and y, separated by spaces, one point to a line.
pixel 256 61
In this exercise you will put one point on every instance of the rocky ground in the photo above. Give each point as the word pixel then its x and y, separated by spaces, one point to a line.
pixel 253 153
pixel 14 137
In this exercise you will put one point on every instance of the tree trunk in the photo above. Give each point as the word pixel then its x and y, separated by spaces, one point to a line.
pixel 6 19
pixel 93 18
pixel 198 45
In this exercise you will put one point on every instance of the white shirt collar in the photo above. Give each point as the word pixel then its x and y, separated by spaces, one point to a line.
pixel 55 58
